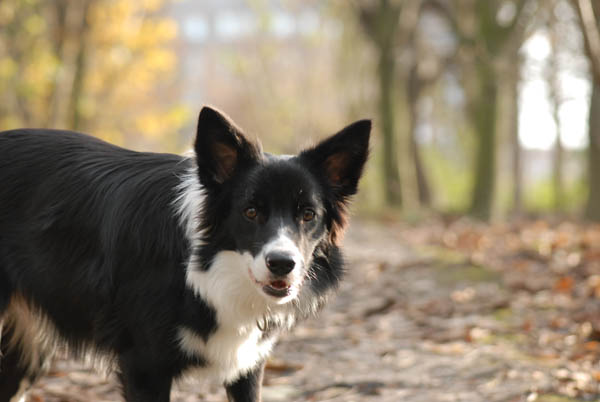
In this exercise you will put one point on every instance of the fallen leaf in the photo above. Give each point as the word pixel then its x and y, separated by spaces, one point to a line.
pixel 564 284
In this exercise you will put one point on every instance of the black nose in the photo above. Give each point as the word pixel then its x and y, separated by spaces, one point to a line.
pixel 279 263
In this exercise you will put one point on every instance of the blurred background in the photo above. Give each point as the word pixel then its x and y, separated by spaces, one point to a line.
pixel 486 108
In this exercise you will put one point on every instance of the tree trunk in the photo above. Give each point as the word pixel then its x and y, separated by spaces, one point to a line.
pixel 484 118
pixel 380 21
pixel 423 188
pixel 77 87
pixel 58 36
pixel 592 211
pixel 589 16
pixel 557 156
pixel 557 175
pixel 414 87
pixel 391 173
pixel 556 101
pixel 517 169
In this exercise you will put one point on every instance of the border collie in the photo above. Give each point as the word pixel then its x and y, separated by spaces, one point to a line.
pixel 163 265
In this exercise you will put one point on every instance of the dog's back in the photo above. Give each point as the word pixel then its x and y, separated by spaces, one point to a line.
pixel 74 217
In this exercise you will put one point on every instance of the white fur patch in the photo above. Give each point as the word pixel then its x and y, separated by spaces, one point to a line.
pixel 228 288
pixel 229 352
pixel 236 346
pixel 37 337
pixel 189 201
pixel 32 332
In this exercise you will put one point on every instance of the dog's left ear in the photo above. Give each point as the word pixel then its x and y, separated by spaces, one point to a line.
pixel 341 158
pixel 221 149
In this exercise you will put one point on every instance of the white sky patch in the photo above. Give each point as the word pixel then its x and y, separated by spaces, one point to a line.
pixel 537 129
pixel 574 123
pixel 537 47
pixel 536 125
pixel 282 24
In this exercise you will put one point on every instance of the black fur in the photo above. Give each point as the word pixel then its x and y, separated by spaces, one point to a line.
pixel 246 388
pixel 12 372
pixel 91 240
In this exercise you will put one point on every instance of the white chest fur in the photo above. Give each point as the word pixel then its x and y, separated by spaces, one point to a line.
pixel 237 345
pixel 229 352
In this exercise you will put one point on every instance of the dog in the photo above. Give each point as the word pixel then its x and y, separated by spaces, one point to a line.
pixel 166 266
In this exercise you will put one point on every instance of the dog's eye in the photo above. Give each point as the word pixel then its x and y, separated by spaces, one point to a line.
pixel 250 213
pixel 308 215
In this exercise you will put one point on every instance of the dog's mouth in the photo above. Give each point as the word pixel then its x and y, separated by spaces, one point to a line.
pixel 277 288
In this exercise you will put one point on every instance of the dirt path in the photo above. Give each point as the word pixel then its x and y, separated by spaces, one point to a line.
pixel 407 325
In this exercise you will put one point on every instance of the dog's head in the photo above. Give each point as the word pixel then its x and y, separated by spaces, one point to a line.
pixel 283 215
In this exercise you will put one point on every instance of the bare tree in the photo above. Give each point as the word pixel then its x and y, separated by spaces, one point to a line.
pixel 556 99
pixel 429 60
pixel 415 86
pixel 485 29
pixel 513 78
pixel 589 18
pixel 381 20
pixel 390 26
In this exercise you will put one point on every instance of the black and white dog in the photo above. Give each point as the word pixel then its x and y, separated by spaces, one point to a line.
pixel 166 265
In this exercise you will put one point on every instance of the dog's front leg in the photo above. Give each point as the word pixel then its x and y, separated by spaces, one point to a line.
pixel 246 388
pixel 143 382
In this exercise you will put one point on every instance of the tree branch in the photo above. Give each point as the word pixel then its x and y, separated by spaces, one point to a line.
pixel 591 33
pixel 444 11
pixel 524 26
pixel 517 17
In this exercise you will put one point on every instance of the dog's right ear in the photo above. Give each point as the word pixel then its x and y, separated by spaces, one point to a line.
pixel 221 148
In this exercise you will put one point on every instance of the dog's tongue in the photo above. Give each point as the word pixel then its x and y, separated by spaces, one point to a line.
pixel 278 284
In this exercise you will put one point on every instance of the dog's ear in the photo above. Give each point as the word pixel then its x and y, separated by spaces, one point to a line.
pixel 341 158
pixel 221 148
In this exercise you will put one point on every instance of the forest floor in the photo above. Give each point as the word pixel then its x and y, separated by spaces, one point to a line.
pixel 454 311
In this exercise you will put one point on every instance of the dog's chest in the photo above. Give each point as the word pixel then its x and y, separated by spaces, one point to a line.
pixel 229 352
pixel 237 345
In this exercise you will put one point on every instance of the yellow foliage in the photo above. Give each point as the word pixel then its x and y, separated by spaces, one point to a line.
pixel 88 107
pixel 7 12
pixel 151 5
pixel 160 60
pixel 9 122
pixel 127 64
pixel 35 24
pixel 154 126
pixel 8 68
pixel 112 136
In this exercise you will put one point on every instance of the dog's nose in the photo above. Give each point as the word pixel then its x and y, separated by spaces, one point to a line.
pixel 279 263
